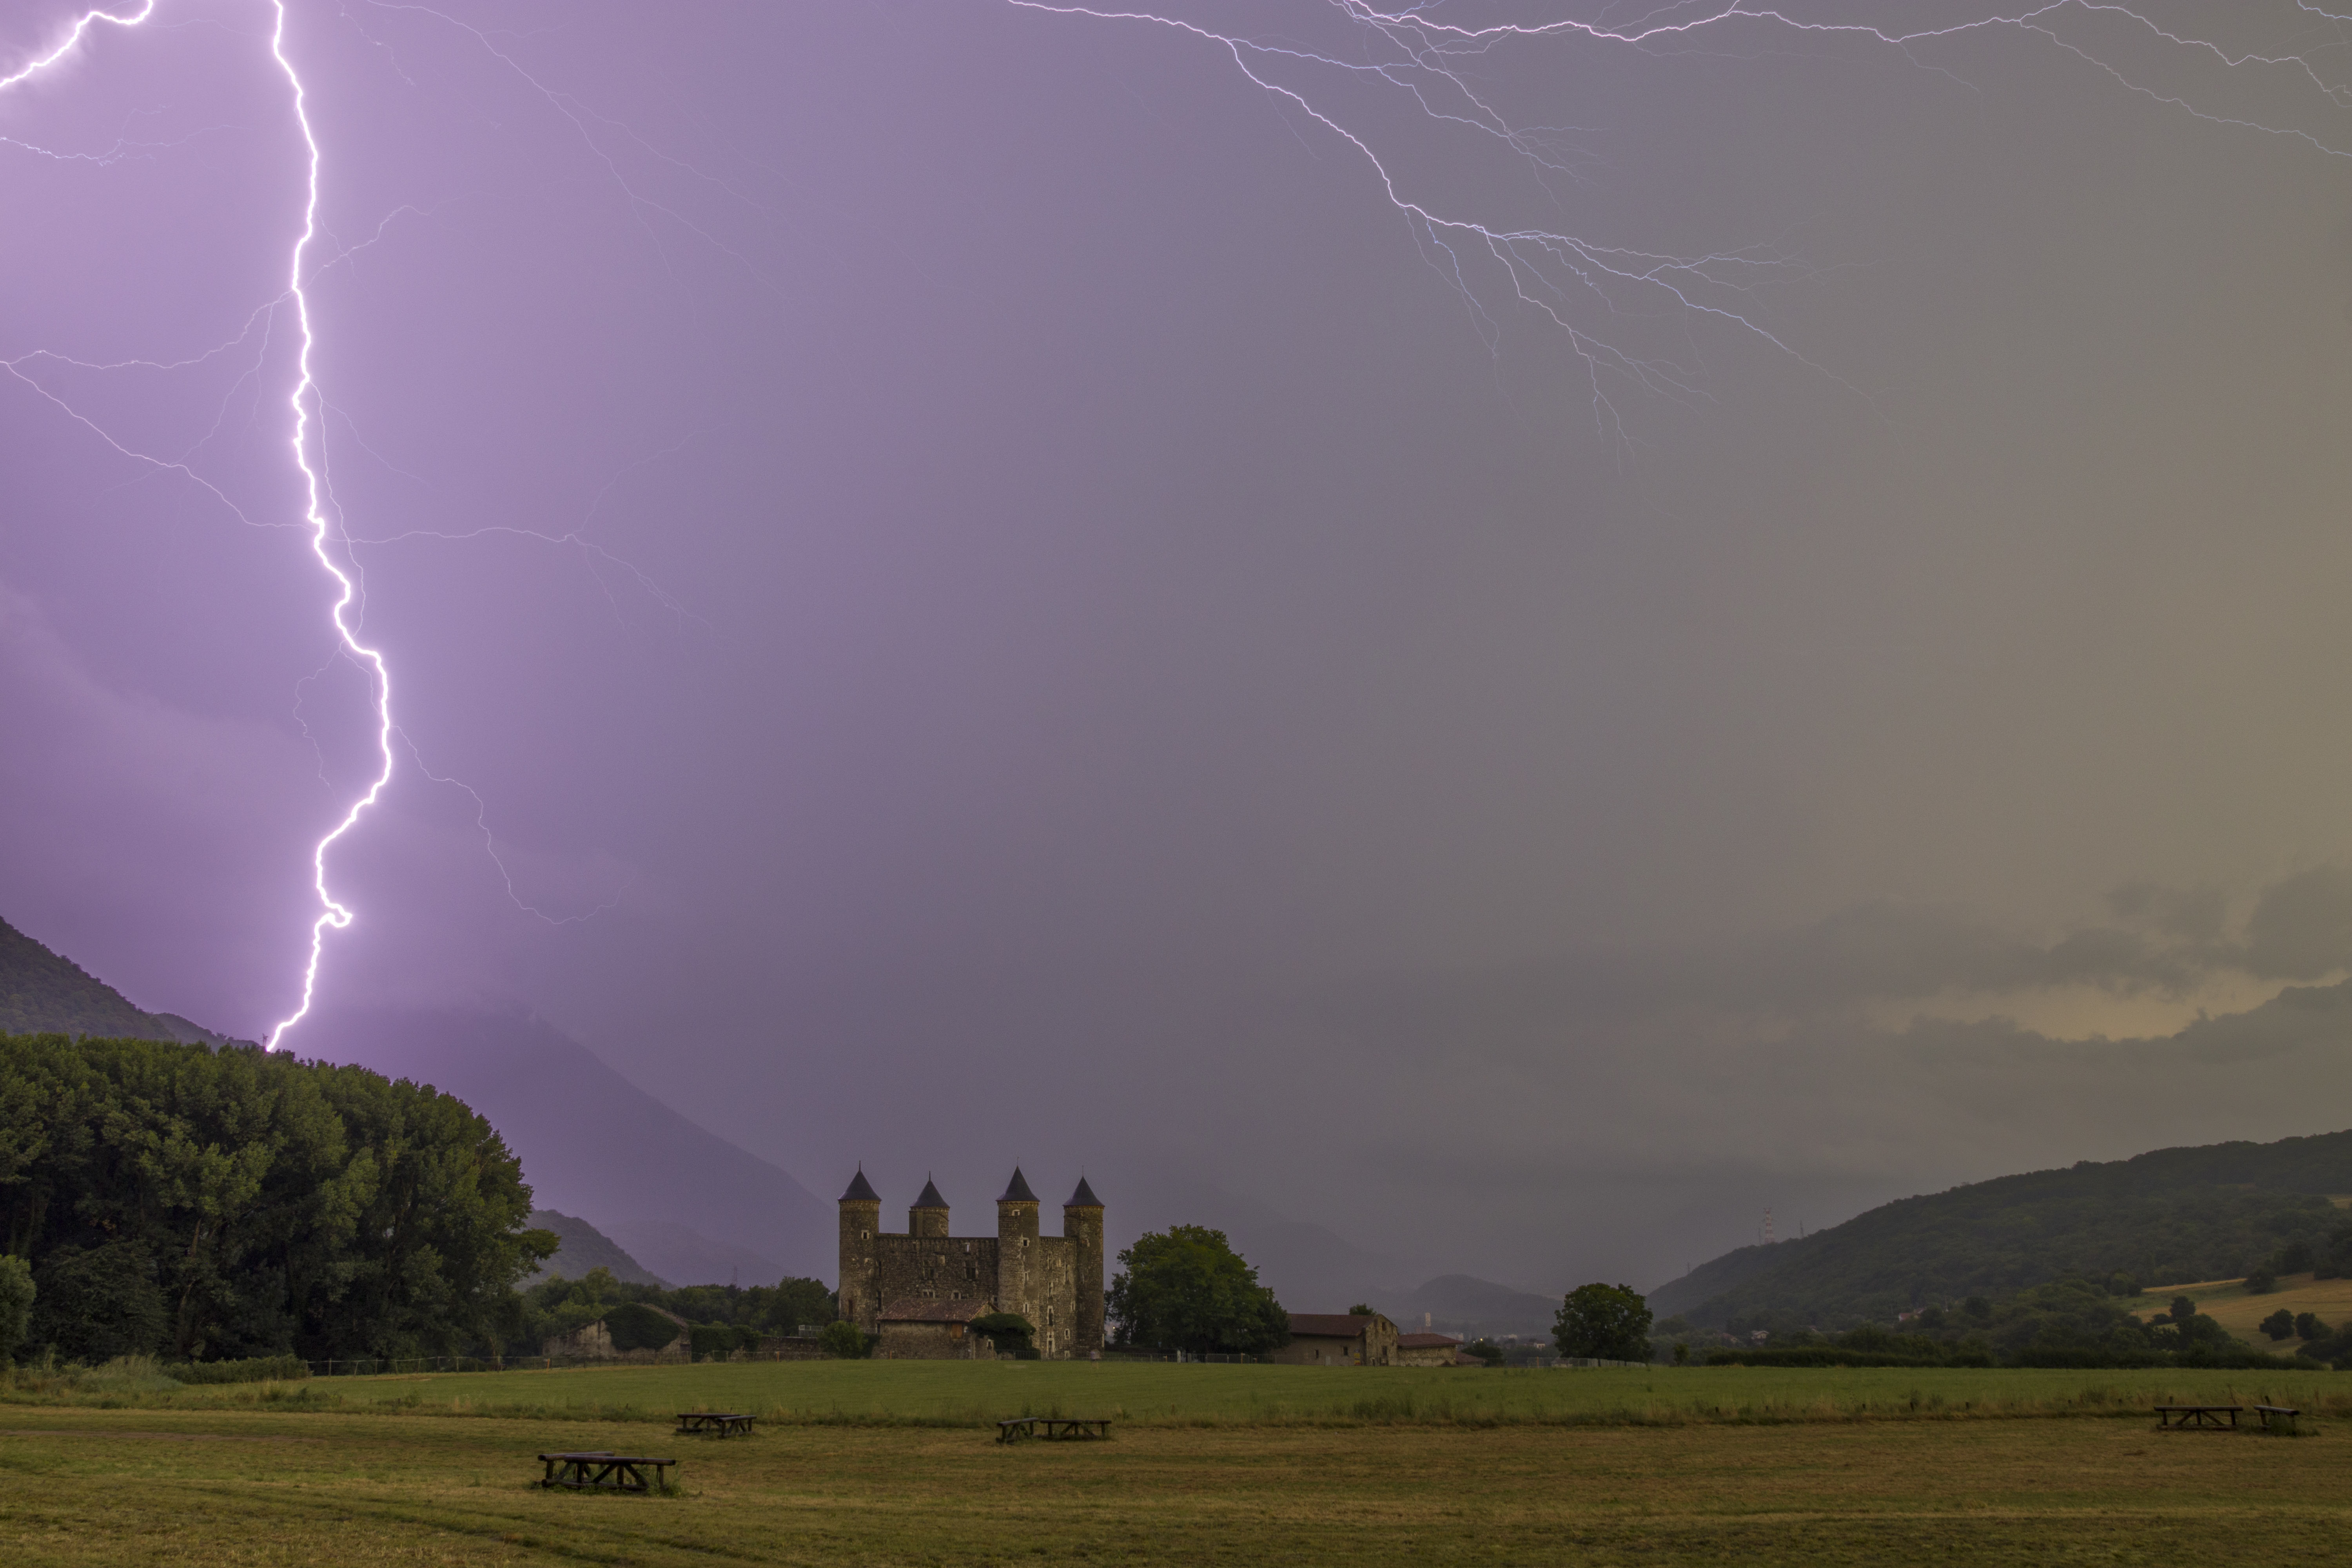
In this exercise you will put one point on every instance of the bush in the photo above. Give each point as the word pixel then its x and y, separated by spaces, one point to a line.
pixel 637 1327
pixel 2261 1282
pixel 1013 1333
pixel 2308 1326
pixel 16 1295
pixel 2279 1324
pixel 846 1340
pixel 252 1369
pixel 99 1304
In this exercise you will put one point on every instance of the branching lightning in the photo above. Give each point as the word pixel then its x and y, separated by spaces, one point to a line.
pixel 1583 287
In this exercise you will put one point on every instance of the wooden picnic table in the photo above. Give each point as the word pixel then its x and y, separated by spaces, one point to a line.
pixel 2178 1416
pixel 714 1423
pixel 1058 1427
pixel 605 1471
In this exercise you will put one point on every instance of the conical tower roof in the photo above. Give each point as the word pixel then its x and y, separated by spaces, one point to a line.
pixel 861 1190
pixel 1084 1199
pixel 1017 1191
pixel 931 1198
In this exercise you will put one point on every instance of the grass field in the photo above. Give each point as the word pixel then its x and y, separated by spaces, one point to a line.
pixel 265 1486
pixel 2227 1303
pixel 969 1394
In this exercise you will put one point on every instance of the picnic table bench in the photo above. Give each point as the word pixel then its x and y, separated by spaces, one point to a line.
pixel 612 1472
pixel 1053 1426
pixel 2198 1415
pixel 2283 1413
pixel 716 1423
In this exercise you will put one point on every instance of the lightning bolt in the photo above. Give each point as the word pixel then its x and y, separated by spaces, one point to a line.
pixel 1562 278
pixel 334 915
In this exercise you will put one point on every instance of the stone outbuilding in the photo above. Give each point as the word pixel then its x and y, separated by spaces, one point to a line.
pixel 1430 1350
pixel 594 1342
pixel 1338 1339
pixel 915 1328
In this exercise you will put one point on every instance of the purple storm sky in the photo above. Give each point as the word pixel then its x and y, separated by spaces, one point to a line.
pixel 993 596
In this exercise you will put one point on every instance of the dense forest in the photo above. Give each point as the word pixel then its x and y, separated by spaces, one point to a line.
pixel 2173 1216
pixel 199 1203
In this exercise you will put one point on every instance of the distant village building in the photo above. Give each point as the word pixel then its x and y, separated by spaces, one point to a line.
pixel 890 1282
pixel 594 1342
pixel 1338 1339
pixel 1431 1350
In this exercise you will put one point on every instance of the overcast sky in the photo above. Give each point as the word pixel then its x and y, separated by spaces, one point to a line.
pixel 991 594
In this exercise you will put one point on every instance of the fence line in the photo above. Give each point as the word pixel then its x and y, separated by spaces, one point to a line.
pixel 385 1366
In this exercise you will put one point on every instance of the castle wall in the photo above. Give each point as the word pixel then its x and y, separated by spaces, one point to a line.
pixel 933 1268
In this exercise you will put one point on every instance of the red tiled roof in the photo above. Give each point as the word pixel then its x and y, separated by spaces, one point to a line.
pixel 1425 1342
pixel 1328 1325
pixel 915 1310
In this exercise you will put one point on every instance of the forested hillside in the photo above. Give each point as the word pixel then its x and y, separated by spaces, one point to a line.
pixel 585 1248
pixel 193 1203
pixel 41 991
pixel 2172 1217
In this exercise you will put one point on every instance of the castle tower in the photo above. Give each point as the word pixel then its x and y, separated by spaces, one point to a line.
pixel 861 1260
pixel 1082 1226
pixel 1018 1258
pixel 930 1214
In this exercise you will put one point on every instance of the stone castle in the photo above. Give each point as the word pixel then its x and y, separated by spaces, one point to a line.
pixel 917 1291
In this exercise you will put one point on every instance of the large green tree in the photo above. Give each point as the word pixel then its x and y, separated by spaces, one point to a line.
pixel 193 1202
pixel 1606 1322
pixel 1186 1289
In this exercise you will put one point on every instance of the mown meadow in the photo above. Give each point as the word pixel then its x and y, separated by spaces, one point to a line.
pixel 80 1488
pixel 863 1462
pixel 1161 1394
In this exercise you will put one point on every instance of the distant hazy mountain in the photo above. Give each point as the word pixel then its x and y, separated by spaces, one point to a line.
pixel 42 993
pixel 586 1247
pixel 1310 1269
pixel 593 1144
pixel 690 1258
pixel 2172 1217
pixel 1460 1304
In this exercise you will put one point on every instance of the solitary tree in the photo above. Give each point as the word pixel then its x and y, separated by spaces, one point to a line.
pixel 1606 1322
pixel 2279 1324
pixel 1187 1289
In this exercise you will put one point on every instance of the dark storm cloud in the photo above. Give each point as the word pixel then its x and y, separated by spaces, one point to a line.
pixel 2301 928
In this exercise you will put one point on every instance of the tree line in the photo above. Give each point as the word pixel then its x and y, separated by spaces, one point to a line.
pixel 199 1204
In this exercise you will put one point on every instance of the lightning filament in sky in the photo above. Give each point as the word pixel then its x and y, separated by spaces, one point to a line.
pixel 1587 288
pixel 333 913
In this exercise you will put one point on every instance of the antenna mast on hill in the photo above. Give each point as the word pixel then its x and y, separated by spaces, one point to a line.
pixel 1768 1227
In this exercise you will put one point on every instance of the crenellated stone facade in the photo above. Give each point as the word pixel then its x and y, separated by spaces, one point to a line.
pixel 1054 1282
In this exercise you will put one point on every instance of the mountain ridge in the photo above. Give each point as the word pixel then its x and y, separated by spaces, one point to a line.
pixel 2166 1216
pixel 42 992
